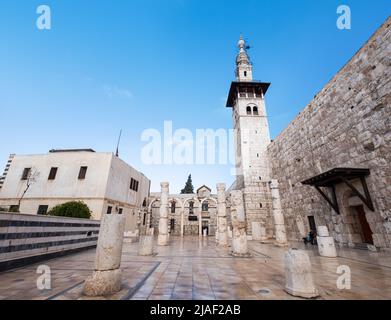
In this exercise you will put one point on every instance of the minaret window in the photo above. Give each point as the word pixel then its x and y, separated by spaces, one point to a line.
pixel 255 111
pixel 248 110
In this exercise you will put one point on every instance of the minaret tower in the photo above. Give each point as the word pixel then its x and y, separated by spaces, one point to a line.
pixel 247 99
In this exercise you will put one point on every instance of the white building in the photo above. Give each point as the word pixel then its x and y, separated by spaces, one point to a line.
pixel 101 180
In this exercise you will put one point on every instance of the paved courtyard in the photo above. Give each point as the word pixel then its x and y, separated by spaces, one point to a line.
pixel 193 268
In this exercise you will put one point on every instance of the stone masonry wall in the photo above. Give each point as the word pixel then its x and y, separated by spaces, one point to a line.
pixel 347 124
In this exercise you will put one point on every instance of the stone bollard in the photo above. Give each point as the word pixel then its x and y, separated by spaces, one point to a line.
pixel 326 245
pixel 106 277
pixel 146 244
pixel 298 274
pixel 239 236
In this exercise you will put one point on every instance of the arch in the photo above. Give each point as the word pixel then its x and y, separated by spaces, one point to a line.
pixel 255 111
pixel 152 202
pixel 176 200
pixel 248 111
pixel 209 199
pixel 195 200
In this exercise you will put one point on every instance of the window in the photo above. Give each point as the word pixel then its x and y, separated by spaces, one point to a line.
pixel 120 211
pixel 82 173
pixel 173 204
pixel 205 206
pixel 109 209
pixel 144 219
pixel 26 173
pixel 255 111
pixel 191 207
pixel 248 110
pixel 134 184
pixel 52 174
pixel 43 210
pixel 245 73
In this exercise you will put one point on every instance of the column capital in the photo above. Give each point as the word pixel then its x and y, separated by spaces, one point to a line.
pixel 164 184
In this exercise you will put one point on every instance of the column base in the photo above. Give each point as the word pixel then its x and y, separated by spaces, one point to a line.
pixel 103 283
pixel 241 255
pixel 163 239
pixel 302 294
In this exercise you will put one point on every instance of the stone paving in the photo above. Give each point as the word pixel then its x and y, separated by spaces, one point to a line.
pixel 193 268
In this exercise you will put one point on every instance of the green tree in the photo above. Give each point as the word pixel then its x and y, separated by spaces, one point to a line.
pixel 74 209
pixel 188 186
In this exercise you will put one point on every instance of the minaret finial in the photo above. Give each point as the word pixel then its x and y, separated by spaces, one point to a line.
pixel 243 64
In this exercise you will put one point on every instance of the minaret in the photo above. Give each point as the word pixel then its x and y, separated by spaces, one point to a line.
pixel 247 99
pixel 244 68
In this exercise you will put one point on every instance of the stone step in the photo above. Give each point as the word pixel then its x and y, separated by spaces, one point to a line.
pixel 365 246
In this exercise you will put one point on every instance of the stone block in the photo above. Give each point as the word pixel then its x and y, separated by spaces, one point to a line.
pixel 323 231
pixel 326 247
pixel 298 274
pixel 146 245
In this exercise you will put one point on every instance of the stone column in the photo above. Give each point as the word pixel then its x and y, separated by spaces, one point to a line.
pixel 326 245
pixel 146 243
pixel 182 221
pixel 277 214
pixel 298 274
pixel 222 233
pixel 200 221
pixel 239 236
pixel 163 236
pixel 106 277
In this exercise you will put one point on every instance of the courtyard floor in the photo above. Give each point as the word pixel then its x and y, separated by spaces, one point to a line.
pixel 193 268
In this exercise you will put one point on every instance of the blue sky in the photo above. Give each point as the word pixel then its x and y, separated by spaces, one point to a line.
pixel 107 65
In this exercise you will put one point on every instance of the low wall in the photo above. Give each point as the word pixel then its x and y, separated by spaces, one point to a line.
pixel 26 239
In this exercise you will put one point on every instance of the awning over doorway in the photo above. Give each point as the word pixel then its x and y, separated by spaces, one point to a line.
pixel 336 176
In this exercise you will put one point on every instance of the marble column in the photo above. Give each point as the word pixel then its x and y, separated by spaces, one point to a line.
pixel 146 243
pixel 182 222
pixel 106 277
pixel 200 221
pixel 239 236
pixel 298 274
pixel 279 223
pixel 222 233
pixel 163 237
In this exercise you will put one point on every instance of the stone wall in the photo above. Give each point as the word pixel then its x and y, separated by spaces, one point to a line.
pixel 347 124
pixel 26 239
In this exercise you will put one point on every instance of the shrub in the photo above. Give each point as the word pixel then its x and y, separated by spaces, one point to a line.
pixel 14 209
pixel 74 209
